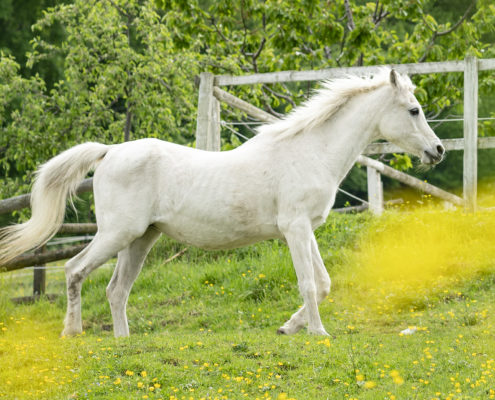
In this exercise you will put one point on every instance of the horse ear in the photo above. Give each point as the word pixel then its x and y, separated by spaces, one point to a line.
pixel 394 79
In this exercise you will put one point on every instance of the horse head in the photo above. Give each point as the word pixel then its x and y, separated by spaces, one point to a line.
pixel 404 124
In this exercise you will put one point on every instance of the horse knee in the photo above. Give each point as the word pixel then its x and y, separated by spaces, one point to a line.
pixel 112 294
pixel 308 289
pixel 74 282
pixel 116 296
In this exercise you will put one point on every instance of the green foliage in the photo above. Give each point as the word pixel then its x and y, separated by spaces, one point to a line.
pixel 401 162
pixel 121 80
pixel 127 68
pixel 16 19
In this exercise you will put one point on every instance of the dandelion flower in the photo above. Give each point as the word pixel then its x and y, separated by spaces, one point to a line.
pixel 369 385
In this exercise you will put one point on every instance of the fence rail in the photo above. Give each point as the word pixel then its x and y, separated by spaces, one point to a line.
pixel 329 73
pixel 30 259
pixel 23 201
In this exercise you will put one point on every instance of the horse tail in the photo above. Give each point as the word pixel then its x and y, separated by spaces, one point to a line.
pixel 54 181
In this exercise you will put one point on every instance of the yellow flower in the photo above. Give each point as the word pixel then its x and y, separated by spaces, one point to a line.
pixel 140 384
pixel 129 373
pixel 398 380
pixel 143 374
pixel 117 381
pixel 369 385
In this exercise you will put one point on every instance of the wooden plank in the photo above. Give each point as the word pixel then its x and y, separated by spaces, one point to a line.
pixel 449 144
pixel 78 228
pixel 32 299
pixel 242 105
pixel 364 207
pixel 329 73
pixel 202 123
pixel 375 191
pixel 23 201
pixel 208 122
pixel 410 180
pixel 486 64
pixel 213 140
pixel 470 133
pixel 39 276
pixel 29 259
pixel 39 280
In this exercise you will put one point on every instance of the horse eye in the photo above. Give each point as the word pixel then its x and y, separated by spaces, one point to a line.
pixel 414 111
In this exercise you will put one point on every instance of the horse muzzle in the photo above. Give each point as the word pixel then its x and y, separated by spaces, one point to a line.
pixel 434 155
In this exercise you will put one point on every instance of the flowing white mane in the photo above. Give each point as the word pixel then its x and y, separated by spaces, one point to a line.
pixel 328 100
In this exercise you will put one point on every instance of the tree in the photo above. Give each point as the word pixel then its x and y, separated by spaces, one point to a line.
pixel 121 81
pixel 16 19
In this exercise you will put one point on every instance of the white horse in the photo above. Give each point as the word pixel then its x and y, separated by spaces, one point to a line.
pixel 280 184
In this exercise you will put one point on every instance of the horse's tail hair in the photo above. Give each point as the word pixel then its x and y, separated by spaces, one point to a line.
pixel 54 181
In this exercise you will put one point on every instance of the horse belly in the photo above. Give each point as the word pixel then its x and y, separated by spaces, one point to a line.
pixel 221 233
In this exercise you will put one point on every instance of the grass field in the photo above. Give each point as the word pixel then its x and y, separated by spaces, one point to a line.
pixel 204 326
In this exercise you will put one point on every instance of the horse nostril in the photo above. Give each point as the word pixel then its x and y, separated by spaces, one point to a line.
pixel 440 149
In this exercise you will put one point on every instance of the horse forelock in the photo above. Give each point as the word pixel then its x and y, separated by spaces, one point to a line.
pixel 328 99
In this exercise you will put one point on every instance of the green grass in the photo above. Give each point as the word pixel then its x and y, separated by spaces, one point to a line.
pixel 204 326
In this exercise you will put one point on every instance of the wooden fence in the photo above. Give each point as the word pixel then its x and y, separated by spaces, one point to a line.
pixel 209 121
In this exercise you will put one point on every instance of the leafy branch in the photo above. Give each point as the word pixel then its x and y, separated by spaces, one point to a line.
pixel 437 33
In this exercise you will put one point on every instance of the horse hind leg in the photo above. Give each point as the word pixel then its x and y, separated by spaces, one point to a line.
pixel 103 247
pixel 129 264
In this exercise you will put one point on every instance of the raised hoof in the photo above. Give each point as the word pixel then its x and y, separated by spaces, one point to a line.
pixel 289 330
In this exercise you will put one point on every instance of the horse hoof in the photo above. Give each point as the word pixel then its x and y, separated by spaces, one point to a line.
pixel 70 332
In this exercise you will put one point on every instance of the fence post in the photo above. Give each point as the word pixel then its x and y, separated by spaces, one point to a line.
pixel 470 175
pixel 208 123
pixel 39 277
pixel 375 191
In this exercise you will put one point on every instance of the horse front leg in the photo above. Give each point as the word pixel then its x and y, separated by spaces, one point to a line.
pixel 323 283
pixel 301 242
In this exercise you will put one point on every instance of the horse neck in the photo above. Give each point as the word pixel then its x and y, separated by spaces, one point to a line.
pixel 337 143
